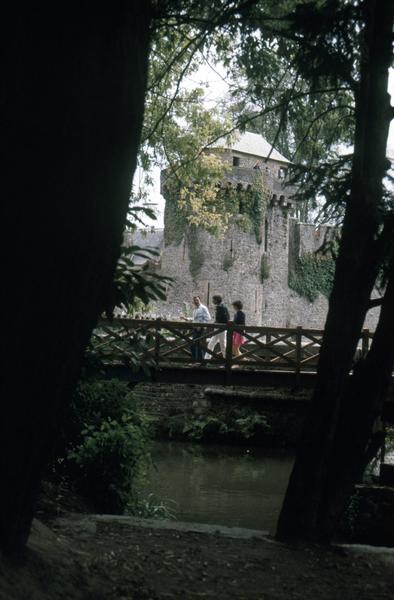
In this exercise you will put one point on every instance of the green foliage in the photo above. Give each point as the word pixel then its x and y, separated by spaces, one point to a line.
pixel 238 424
pixel 96 401
pixel 251 206
pixel 175 222
pixel 264 268
pixel 313 273
pixel 149 507
pixel 293 68
pixel 177 128
pixel 196 253
pixel 131 348
pixel 139 308
pixel 349 519
pixel 109 460
pixel 300 70
pixel 105 450
pixel 135 281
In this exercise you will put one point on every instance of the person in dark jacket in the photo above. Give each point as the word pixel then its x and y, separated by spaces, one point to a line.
pixel 221 316
pixel 239 320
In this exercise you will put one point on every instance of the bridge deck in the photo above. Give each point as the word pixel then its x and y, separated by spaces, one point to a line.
pixel 211 375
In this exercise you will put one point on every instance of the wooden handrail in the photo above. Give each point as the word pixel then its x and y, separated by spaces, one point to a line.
pixel 294 349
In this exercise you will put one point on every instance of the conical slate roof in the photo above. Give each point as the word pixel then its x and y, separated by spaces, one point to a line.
pixel 253 144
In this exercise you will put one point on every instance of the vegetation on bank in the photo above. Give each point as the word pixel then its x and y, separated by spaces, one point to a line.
pixel 103 455
pixel 232 424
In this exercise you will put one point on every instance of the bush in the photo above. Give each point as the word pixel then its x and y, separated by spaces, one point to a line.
pixel 236 425
pixel 105 445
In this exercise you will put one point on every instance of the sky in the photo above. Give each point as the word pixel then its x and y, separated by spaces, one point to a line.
pixel 215 91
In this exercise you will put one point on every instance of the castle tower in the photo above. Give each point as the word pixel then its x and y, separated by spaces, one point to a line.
pixel 248 264
pixel 275 266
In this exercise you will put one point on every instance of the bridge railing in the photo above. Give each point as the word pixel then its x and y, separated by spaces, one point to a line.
pixel 159 343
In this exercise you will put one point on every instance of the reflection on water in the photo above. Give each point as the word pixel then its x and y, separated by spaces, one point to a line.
pixel 220 485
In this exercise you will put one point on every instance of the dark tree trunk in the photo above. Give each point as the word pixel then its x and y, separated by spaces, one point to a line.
pixel 72 92
pixel 340 423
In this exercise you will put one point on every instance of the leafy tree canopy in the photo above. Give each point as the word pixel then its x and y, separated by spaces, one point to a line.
pixel 293 67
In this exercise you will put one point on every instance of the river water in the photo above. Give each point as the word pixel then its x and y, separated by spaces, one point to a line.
pixel 222 485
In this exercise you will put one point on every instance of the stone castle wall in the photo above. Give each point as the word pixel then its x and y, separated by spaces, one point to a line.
pixel 202 264
pixel 268 302
pixel 205 265
pixel 231 265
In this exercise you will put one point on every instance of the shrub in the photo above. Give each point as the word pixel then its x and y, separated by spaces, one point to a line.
pixel 105 444
pixel 235 425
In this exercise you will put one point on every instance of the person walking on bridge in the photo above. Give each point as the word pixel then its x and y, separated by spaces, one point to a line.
pixel 239 320
pixel 221 316
pixel 200 315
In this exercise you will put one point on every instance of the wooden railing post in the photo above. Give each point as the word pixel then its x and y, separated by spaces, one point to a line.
pixel 298 354
pixel 364 342
pixel 157 339
pixel 229 350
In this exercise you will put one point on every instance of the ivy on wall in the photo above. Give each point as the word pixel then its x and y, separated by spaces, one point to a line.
pixel 175 223
pixel 252 208
pixel 264 268
pixel 248 205
pixel 196 254
pixel 228 261
pixel 313 274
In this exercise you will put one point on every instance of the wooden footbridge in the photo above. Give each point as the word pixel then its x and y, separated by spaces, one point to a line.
pixel 162 351
pixel 165 349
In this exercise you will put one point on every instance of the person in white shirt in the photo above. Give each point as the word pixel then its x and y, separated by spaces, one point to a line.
pixel 200 315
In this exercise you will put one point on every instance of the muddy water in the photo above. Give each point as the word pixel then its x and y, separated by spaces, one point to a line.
pixel 220 485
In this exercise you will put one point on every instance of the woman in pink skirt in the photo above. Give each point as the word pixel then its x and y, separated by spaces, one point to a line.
pixel 239 320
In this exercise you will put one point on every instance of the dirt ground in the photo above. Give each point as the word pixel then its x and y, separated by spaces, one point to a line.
pixel 125 560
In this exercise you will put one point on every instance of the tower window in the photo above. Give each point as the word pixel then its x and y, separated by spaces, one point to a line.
pixel 236 161
pixel 282 173
pixel 265 235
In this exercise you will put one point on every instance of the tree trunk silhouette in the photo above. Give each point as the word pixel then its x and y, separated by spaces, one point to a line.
pixel 72 96
pixel 339 428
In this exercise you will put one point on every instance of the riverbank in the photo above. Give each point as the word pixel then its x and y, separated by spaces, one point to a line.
pixel 124 559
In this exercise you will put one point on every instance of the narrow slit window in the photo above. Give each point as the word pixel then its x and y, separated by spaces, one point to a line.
pixel 265 235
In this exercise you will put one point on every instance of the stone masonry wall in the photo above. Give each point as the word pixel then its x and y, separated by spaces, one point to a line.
pixel 206 265
pixel 165 399
pixel 269 302
pixel 231 265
